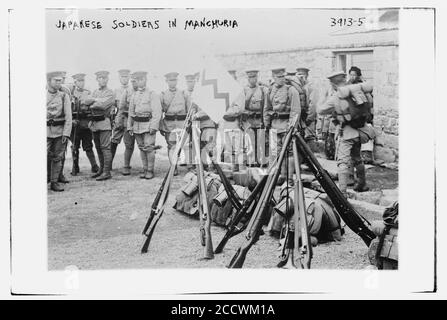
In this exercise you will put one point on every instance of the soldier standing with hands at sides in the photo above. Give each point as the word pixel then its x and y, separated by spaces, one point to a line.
pixel 81 133
pixel 59 125
pixel 256 98
pixel 143 122
pixel 101 103
pixel 175 104
pixel 283 107
pixel 123 96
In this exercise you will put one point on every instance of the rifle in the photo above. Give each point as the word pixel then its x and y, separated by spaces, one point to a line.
pixel 159 202
pixel 297 227
pixel 204 215
pixel 353 220
pixel 261 208
pixel 233 228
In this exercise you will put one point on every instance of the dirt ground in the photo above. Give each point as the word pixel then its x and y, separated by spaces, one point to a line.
pixel 98 225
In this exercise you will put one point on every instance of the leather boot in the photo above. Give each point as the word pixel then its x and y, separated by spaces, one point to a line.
pixel 101 165
pixel 361 176
pixel 48 170
pixel 343 178
pixel 127 157
pixel 75 166
pixel 113 147
pixel 150 156
pixel 143 155
pixel 107 166
pixel 91 157
pixel 62 178
pixel 55 173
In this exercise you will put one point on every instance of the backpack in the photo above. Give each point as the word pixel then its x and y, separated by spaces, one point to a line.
pixel 356 104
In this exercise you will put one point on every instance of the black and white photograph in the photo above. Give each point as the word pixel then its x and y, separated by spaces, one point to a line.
pixel 297 137
pixel 264 148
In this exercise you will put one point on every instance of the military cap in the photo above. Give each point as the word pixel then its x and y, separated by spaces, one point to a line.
pixel 190 77
pixel 124 72
pixel 335 74
pixel 290 72
pixel 56 74
pixel 252 73
pixel 171 75
pixel 278 71
pixel 303 69
pixel 139 74
pixel 232 71
pixel 102 73
pixel 78 76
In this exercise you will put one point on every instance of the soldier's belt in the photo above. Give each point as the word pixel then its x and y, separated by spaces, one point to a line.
pixel 278 115
pixel 81 115
pixel 230 118
pixel 177 117
pixel 142 119
pixel 54 123
pixel 204 118
pixel 251 115
pixel 126 113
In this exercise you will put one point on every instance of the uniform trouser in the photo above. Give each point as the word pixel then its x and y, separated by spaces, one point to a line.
pixel 348 156
pixel 255 146
pixel 121 133
pixel 102 145
pixel 171 141
pixel 146 144
pixel 277 142
pixel 83 137
pixel 55 153
pixel 208 138
pixel 233 146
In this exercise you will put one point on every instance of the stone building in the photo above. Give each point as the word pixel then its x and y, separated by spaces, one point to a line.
pixel 374 49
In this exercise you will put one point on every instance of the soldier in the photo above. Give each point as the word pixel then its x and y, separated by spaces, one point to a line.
pixel 144 119
pixel 208 131
pixel 59 125
pixel 283 107
pixel 348 138
pixel 68 90
pixel 175 104
pixel 256 98
pixel 101 103
pixel 81 131
pixel 122 98
pixel 308 106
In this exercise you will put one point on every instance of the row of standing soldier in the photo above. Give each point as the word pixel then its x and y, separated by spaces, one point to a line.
pixel 142 112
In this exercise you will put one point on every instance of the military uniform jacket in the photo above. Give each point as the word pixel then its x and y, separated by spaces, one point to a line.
pixel 102 101
pixel 81 95
pixel 256 100
pixel 174 103
pixel 123 106
pixel 144 103
pixel 59 108
pixel 282 100
pixel 205 121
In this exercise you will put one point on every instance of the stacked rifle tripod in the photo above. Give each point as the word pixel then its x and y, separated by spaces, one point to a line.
pixel 297 250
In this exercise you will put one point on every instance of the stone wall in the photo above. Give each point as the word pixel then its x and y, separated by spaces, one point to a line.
pixel 321 61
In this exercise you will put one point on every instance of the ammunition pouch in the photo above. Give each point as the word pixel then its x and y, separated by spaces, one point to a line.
pixel 250 115
pixel 203 118
pixel 175 117
pixel 55 122
pixel 280 115
pixel 126 113
pixel 231 118
pixel 142 119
